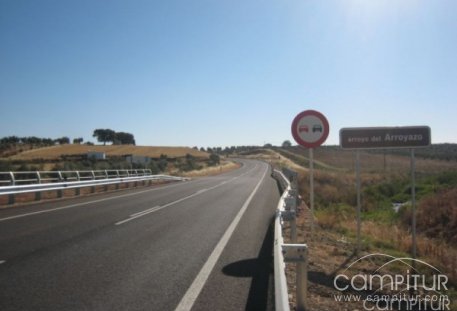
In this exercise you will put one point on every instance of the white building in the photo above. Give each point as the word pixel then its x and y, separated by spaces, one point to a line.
pixel 96 155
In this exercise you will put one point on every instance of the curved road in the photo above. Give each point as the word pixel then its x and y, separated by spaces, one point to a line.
pixel 204 244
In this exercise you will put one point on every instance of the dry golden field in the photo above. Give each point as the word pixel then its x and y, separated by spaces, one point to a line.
pixel 56 152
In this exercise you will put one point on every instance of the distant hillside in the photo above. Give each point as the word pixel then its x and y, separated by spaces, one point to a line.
pixel 447 152
pixel 436 158
pixel 61 151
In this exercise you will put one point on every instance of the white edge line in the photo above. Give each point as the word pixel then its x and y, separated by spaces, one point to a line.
pixel 194 290
pixel 2 262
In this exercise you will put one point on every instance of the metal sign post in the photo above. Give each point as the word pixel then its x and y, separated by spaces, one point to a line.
pixel 413 207
pixel 311 187
pixel 359 203
pixel 310 129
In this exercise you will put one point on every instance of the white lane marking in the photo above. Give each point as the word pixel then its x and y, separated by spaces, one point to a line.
pixel 158 208
pixel 86 203
pixel 2 262
pixel 145 211
pixel 194 290
pixel 138 215
pixel 201 191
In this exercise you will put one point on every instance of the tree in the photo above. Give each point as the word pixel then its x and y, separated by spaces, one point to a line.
pixel 104 135
pixel 63 140
pixel 48 142
pixel 214 159
pixel 32 140
pixel 78 140
pixel 163 162
pixel 10 140
pixel 286 144
pixel 188 164
pixel 122 138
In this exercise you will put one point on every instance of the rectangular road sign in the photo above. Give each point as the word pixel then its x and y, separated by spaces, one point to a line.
pixel 385 137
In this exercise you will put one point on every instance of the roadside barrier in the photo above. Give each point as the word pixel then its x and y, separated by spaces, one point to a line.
pixel 288 253
pixel 14 183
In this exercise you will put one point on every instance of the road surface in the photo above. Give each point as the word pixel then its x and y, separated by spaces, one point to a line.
pixel 203 244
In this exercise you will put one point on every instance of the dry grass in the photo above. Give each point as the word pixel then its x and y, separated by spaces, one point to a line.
pixel 330 252
pixel 56 152
pixel 225 166
pixel 393 237
pixel 276 159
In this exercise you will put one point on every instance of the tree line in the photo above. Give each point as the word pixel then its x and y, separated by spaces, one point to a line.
pixel 36 141
pixel 116 138
pixel 103 135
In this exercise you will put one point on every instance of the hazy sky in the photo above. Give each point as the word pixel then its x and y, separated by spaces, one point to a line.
pixel 221 73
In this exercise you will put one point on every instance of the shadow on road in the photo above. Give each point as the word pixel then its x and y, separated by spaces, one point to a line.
pixel 260 269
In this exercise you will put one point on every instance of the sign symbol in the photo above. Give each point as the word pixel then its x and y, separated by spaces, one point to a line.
pixel 303 128
pixel 317 128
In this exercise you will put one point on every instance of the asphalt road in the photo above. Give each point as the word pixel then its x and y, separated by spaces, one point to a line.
pixel 204 244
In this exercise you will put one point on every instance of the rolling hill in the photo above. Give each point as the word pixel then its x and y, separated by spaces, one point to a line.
pixel 61 151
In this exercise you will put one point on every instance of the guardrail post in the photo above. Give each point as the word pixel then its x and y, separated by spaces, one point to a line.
pixel 118 176
pixel 13 180
pixel 302 283
pixel 11 197
pixel 60 192
pixel 78 178
pixel 290 205
pixel 105 188
pixel 92 189
pixel 38 194
pixel 298 253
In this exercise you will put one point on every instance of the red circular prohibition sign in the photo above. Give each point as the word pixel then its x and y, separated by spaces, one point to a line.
pixel 295 133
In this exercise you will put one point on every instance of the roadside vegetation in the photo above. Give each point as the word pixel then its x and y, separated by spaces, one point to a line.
pixel 386 206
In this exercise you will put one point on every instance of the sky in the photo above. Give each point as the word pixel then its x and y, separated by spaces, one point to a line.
pixel 225 73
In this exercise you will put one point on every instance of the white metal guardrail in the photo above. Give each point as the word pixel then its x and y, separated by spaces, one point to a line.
pixel 38 177
pixel 288 253
pixel 14 183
